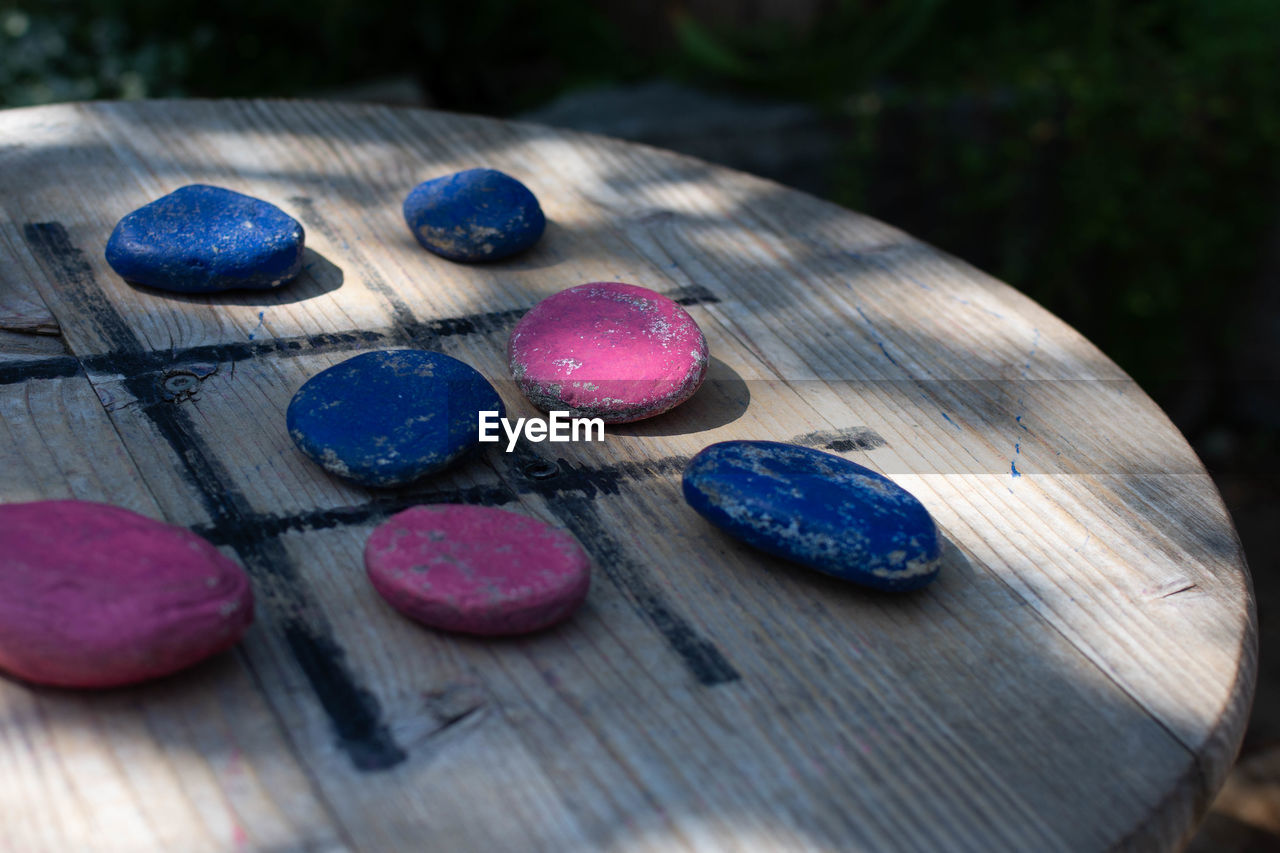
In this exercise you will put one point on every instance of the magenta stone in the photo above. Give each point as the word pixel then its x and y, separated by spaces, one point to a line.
pixel 98 596
pixel 609 350
pixel 476 569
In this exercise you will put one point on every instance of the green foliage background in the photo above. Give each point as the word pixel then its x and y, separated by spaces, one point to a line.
pixel 1116 161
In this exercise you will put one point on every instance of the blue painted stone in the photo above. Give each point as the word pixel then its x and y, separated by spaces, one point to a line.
pixel 202 239
pixel 475 215
pixel 816 509
pixel 387 418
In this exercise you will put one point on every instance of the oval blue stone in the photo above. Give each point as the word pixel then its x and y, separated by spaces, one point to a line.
pixel 816 509
pixel 387 418
pixel 202 239
pixel 474 215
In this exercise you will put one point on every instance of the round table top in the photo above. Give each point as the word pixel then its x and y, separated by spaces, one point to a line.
pixel 1078 677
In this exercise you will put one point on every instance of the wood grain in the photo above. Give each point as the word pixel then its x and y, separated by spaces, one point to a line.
pixel 1078 678
pixel 196 762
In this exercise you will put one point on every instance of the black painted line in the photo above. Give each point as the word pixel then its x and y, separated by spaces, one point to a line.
pixel 264 526
pixel 568 489
pixel 562 476
pixel 142 362
pixel 569 492
pixel 473 324
pixel 53 367
pixel 412 333
pixel 842 440
pixel 75 279
pixel 311 218
pixel 702 658
pixel 605 479
pixel 353 711
pixel 570 495
pixel 694 294
pixel 408 331
pixel 565 477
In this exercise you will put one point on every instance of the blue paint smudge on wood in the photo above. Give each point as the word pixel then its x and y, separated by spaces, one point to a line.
pixel 875 337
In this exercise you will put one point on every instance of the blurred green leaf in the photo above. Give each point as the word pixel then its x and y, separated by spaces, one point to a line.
pixel 703 48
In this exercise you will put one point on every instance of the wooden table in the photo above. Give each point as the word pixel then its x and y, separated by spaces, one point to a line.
pixel 1078 678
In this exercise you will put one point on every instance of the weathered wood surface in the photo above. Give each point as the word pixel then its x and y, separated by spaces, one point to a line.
pixel 1078 678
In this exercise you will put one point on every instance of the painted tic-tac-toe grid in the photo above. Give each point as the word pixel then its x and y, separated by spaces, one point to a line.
pixel 568 489
pixel 1077 677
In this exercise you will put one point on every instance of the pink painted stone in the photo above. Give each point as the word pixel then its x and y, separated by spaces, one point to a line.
pixel 93 595
pixel 609 350
pixel 476 569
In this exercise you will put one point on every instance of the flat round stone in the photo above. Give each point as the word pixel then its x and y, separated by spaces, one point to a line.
pixel 202 239
pixel 610 350
pixel 387 418
pixel 475 215
pixel 476 569
pixel 816 509
pixel 98 596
